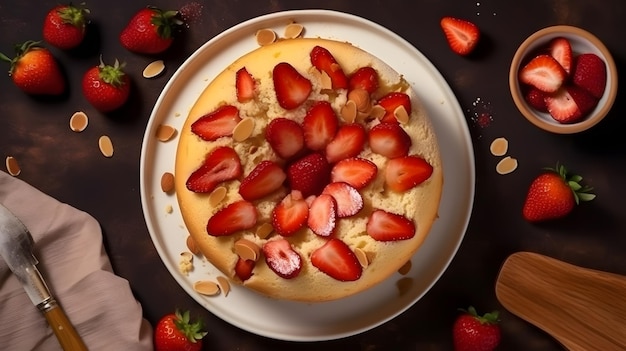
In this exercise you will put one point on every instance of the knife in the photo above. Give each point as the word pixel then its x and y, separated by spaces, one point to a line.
pixel 16 247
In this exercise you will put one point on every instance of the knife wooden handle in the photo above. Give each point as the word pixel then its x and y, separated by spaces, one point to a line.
pixel 64 330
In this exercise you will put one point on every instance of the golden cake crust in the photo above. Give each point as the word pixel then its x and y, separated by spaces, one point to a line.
pixel 420 203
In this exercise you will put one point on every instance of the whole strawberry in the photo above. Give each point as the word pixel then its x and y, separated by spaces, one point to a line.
pixel 64 26
pixel 553 194
pixel 472 332
pixel 175 332
pixel 150 31
pixel 35 70
pixel 106 87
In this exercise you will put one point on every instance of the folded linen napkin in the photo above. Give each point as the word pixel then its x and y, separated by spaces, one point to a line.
pixel 72 260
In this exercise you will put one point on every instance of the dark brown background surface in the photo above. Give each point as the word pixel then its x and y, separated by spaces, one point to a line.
pixel 69 166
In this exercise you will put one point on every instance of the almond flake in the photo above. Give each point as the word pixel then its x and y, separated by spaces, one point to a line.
pixel 13 166
pixel 154 69
pixel 401 114
pixel 361 256
pixel 206 287
pixel 165 133
pixel 293 30
pixel 499 146
pixel 79 121
pixel 264 230
pixel 265 37
pixel 106 146
pixel 247 249
pixel 506 165
pixel 348 111
pixel 192 245
pixel 377 112
pixel 224 285
pixel 167 182
pixel 361 98
pixel 217 196
pixel 243 129
pixel 404 270
pixel 326 82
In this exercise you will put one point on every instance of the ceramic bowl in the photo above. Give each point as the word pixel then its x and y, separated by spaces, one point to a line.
pixel 582 42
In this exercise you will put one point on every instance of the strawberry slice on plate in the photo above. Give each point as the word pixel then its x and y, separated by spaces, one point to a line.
pixel 389 140
pixel 236 216
pixel 348 142
pixel 365 78
pixel 543 72
pixel 356 171
pixel 349 200
pixel 282 258
pixel 290 214
pixel 217 124
pixel 323 215
pixel 391 102
pixel 462 35
pixel 337 260
pixel 324 61
pixel 244 268
pixel 404 173
pixel 220 165
pixel 292 88
pixel 561 50
pixel 387 226
pixel 264 179
pixel 285 136
pixel 320 125
pixel 245 85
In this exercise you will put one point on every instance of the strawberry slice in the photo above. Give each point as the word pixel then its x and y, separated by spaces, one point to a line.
pixel 589 73
pixel 285 136
pixel 290 214
pixel 356 171
pixel 337 260
pixel 544 73
pixel 236 216
pixel 392 101
pixel 348 142
pixel 570 104
pixel 245 85
pixel 387 226
pixel 561 50
pixel 323 215
pixel 244 268
pixel 404 173
pixel 309 174
pixel 264 179
pixel 349 200
pixel 389 140
pixel 462 35
pixel 217 124
pixel 536 99
pixel 282 258
pixel 323 60
pixel 292 89
pixel 319 125
pixel 220 165
pixel 365 78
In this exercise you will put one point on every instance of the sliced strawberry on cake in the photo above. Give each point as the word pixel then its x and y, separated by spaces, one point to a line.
pixel 365 78
pixel 349 200
pixel 324 61
pixel 336 259
pixel 389 140
pixel 217 124
pixel 387 226
pixel 220 165
pixel 320 125
pixel 309 174
pixel 244 268
pixel 356 171
pixel 348 142
pixel 290 214
pixel 237 216
pixel 245 85
pixel 282 258
pixel 391 102
pixel 292 89
pixel 285 136
pixel 323 215
pixel 404 173
pixel 264 179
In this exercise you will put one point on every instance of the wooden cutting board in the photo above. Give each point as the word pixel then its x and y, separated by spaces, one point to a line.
pixel 584 309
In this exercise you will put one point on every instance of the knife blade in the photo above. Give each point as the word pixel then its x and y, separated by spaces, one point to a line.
pixel 16 248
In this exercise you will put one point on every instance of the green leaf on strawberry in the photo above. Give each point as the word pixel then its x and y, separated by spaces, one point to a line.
pixel 473 332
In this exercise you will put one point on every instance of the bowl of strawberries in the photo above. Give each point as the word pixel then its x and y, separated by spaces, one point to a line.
pixel 563 79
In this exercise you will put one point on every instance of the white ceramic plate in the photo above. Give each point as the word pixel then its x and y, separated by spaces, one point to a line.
pixel 330 320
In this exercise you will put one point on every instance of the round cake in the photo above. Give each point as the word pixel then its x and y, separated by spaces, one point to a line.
pixel 308 170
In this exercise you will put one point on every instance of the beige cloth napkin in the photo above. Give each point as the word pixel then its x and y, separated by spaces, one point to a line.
pixel 72 260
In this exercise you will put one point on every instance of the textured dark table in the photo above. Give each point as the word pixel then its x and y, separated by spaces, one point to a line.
pixel 69 166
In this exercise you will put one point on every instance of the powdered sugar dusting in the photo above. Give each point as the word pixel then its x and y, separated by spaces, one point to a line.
pixel 191 12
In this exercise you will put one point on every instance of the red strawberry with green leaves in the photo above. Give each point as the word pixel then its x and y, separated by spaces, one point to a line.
pixel 245 85
pixel 391 102
pixel 309 174
pixel 290 214
pixel 462 35
pixel 337 260
pixel 239 215
pixel 472 332
pixel 324 61
pixel 281 257
pixel 106 87
pixel 553 194
pixel 386 226
pixel 291 88
pixel 356 171
pixel 404 173
pixel 34 70
pixel 65 25
pixel 150 31
pixel 543 72
pixel 264 179
pixel 220 165
pixel 176 332
pixel 216 124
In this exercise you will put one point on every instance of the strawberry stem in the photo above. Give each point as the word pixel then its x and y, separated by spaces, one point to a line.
pixel 165 21
pixel 492 317
pixel 192 331
pixel 581 192
pixel 112 74
pixel 20 51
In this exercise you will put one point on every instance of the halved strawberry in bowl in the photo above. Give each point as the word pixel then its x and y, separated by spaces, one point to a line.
pixel 543 72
